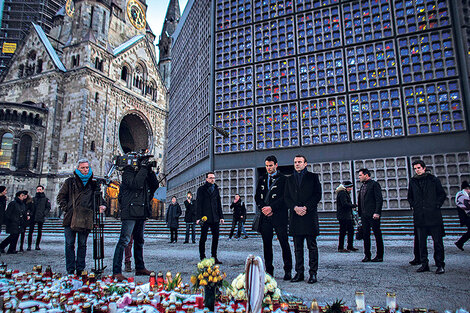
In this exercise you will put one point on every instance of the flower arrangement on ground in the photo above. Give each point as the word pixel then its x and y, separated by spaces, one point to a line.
pixel 271 290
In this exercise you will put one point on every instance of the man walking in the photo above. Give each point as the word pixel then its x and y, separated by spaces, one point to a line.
pixel 426 196
pixel 209 205
pixel 302 194
pixel 344 207
pixel 190 218
pixel 75 199
pixel 14 221
pixel 370 209
pixel 272 216
pixel 41 207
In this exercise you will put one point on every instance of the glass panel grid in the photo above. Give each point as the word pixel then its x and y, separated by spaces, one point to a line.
pixel 239 124
pixel 413 16
pixel 324 121
pixel 234 88
pixel 234 47
pixel 367 20
pixel 304 5
pixel 427 56
pixel 233 13
pixel 321 74
pixel 434 108
pixel 237 181
pixel 372 65
pixel 376 115
pixel 276 81
pixel 318 30
pixel 277 126
pixel 265 9
pixel 274 39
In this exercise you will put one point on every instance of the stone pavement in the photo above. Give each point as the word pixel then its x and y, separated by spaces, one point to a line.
pixel 340 274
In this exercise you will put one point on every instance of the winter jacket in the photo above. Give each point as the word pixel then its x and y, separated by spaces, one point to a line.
pixel 41 207
pixel 426 197
pixel 307 194
pixel 344 204
pixel 136 192
pixel 239 210
pixel 3 206
pixel 172 215
pixel 76 201
pixel 209 204
pixel 190 213
pixel 15 216
pixel 373 200
pixel 462 200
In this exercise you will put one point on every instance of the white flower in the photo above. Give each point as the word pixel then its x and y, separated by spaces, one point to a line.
pixel 265 289
pixel 234 293
pixel 277 294
pixel 274 283
pixel 267 278
pixel 270 287
pixel 200 265
pixel 241 294
pixel 240 284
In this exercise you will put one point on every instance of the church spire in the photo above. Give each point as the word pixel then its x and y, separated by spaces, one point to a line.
pixel 172 18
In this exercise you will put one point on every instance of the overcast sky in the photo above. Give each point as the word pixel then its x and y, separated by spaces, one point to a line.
pixel 156 12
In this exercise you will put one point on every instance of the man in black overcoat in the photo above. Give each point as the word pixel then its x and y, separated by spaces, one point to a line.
pixel 190 217
pixel 14 221
pixel 41 207
pixel 369 203
pixel 302 194
pixel 272 215
pixel 426 197
pixel 209 205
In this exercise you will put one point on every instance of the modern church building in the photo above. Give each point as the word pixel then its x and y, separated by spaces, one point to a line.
pixel 348 84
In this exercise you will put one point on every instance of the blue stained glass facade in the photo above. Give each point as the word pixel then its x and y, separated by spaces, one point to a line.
pixel 234 88
pixel 274 39
pixel 413 16
pixel 277 126
pixel 276 81
pixel 239 123
pixel 266 9
pixel 233 13
pixel 303 5
pixel 234 47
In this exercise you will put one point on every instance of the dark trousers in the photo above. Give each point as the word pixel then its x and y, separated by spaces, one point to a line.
pixel 436 233
pixel 367 224
pixel 346 226
pixel 30 234
pixel 312 253
pixel 173 234
pixel 190 228
pixel 128 251
pixel 22 235
pixel 416 244
pixel 464 237
pixel 215 239
pixel 72 262
pixel 134 228
pixel 11 240
pixel 267 233
pixel 240 228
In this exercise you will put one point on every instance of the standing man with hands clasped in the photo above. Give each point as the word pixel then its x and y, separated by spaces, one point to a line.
pixel 209 205
pixel 302 194
pixel 272 215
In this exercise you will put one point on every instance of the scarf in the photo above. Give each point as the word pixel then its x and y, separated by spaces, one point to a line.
pixel 84 178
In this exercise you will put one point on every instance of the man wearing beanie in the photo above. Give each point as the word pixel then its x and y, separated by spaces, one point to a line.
pixel 3 204
pixel 344 208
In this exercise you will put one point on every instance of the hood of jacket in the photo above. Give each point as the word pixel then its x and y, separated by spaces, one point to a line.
pixel 340 188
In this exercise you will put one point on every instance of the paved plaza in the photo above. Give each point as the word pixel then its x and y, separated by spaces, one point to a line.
pixel 340 274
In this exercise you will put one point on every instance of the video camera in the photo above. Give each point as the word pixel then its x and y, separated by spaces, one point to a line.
pixel 134 159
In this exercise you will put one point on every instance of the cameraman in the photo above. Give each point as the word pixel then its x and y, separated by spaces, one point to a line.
pixel 137 188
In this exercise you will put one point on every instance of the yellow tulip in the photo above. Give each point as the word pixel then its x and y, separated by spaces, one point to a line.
pixel 193 280
pixel 205 274
pixel 200 277
pixel 210 279
pixel 203 282
pixel 209 270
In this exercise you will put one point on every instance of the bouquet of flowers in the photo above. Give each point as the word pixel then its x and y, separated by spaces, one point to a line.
pixel 271 291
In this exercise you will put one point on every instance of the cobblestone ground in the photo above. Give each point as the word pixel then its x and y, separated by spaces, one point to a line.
pixel 340 274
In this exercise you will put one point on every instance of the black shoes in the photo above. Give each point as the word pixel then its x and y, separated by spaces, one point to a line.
pixel 186 242
pixel 353 249
pixel 459 245
pixel 298 277
pixel 217 261
pixel 415 262
pixel 287 276
pixel 366 259
pixel 377 259
pixel 440 270
pixel 37 248
pixel 312 279
pixel 423 268
pixel 343 250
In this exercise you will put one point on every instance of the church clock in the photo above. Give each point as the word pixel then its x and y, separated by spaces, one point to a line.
pixel 69 8
pixel 136 14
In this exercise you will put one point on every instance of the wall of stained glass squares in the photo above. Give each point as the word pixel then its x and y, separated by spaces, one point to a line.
pixel 277 126
pixel 274 39
pixel 276 81
pixel 234 47
pixel 367 20
pixel 234 88
pixel 413 16
pixel 233 13
pixel 321 74
pixel 427 56
pixel 239 123
pixel 303 5
pixel 324 120
pixel 318 30
pixel 434 108
pixel 376 115
pixel 266 9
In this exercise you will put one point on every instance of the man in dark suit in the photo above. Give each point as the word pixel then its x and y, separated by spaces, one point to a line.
pixel 302 194
pixel 272 215
pixel 370 209
pixel 426 197
pixel 209 205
